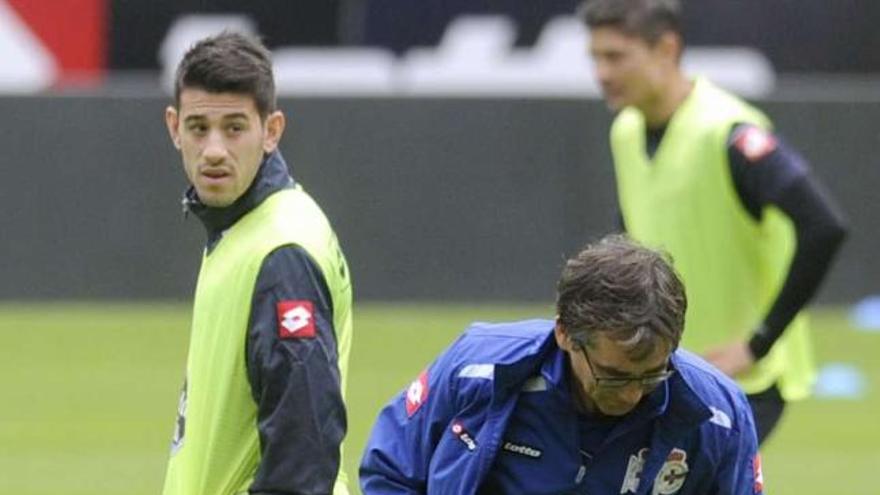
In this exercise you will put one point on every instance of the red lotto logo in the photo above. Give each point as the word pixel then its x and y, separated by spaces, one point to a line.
pixel 296 320
pixel 417 394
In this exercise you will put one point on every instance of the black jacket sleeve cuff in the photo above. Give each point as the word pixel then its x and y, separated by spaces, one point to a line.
pixel 760 343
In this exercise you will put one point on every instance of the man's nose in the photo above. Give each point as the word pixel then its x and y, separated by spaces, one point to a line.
pixel 604 75
pixel 215 148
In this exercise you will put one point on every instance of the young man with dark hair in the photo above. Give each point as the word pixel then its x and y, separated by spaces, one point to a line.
pixel 261 409
pixel 597 401
pixel 701 174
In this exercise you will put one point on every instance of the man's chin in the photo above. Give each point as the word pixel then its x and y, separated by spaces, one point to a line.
pixel 615 104
pixel 615 410
pixel 215 201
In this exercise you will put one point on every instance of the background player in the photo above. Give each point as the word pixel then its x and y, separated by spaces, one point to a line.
pixel 701 174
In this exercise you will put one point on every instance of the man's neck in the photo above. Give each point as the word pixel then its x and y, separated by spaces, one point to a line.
pixel 659 111
pixel 586 408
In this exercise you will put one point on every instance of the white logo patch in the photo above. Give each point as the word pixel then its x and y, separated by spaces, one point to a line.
pixel 522 450
pixel 668 481
pixel 296 319
pixel 486 371
pixel 634 472
pixel 720 418
pixel 535 384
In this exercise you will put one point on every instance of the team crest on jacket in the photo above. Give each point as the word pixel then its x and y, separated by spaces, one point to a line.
pixel 672 474
pixel 296 320
pixel 668 481
pixel 417 394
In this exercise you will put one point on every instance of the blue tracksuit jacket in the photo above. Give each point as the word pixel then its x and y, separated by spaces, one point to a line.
pixel 490 416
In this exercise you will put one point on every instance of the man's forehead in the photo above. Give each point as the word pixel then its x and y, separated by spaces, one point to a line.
pixel 610 354
pixel 613 37
pixel 198 102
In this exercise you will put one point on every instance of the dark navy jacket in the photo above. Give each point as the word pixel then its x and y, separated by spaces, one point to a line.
pixel 455 428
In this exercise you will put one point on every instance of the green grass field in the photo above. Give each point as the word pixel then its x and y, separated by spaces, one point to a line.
pixel 88 395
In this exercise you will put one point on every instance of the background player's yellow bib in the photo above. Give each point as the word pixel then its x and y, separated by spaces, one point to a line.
pixel 683 200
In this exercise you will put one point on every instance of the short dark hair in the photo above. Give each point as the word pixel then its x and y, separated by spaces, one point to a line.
pixel 229 62
pixel 624 290
pixel 647 19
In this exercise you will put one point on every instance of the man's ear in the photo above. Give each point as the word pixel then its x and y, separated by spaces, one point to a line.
pixel 562 339
pixel 172 121
pixel 670 47
pixel 275 124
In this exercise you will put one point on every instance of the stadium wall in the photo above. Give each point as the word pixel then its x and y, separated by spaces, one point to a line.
pixel 462 199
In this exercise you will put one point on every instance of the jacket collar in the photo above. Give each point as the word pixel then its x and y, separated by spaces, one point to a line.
pixel 679 407
pixel 556 370
pixel 509 377
pixel 687 408
pixel 686 412
pixel 272 176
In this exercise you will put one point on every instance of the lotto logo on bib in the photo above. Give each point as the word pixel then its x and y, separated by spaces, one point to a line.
pixel 754 143
pixel 296 320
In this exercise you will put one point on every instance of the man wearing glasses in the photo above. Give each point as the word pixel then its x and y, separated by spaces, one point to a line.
pixel 599 401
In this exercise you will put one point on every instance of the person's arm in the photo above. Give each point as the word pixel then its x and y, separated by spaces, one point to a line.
pixel 739 472
pixel 406 433
pixel 767 171
pixel 292 368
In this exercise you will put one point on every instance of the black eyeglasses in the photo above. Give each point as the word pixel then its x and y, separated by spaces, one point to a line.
pixel 645 381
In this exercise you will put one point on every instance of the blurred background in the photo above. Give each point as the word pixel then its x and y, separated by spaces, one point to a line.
pixel 460 149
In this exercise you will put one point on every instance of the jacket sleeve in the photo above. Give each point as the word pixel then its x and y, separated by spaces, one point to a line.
pixel 407 431
pixel 292 368
pixel 767 171
pixel 740 468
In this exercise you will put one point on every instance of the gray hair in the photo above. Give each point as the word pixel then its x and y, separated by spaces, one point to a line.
pixel 626 291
